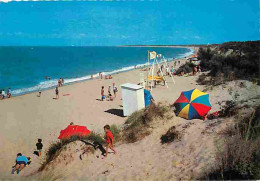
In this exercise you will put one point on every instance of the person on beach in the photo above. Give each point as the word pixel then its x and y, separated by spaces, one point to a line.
pixel 3 94
pixel 109 139
pixel 21 162
pixel 172 70
pixel 59 82
pixel 39 92
pixel 110 98
pixel 57 93
pixel 109 90
pixel 199 69
pixel 39 146
pixel 62 81
pixel 114 89
pixel 9 93
pixel 162 68
pixel 102 93
pixel 195 70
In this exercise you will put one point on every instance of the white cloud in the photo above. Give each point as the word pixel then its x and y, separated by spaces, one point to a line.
pixel 197 37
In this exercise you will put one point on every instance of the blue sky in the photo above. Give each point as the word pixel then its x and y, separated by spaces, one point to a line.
pixel 124 22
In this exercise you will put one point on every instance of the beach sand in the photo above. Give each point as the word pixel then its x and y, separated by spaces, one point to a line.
pixel 26 118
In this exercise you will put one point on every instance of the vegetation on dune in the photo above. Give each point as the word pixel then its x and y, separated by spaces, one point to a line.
pixel 138 125
pixel 231 60
pixel 171 135
pixel 240 156
pixel 186 68
pixel 56 147
pixel 116 131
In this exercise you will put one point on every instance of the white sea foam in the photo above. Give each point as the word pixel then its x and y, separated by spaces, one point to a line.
pixel 186 54
pixel 54 82
pixel 47 84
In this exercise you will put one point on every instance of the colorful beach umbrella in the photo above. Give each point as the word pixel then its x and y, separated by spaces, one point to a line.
pixel 192 104
pixel 73 130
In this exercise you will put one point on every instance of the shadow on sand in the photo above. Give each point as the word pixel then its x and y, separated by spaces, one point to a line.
pixel 117 112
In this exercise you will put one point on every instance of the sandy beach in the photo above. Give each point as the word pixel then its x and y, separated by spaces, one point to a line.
pixel 26 118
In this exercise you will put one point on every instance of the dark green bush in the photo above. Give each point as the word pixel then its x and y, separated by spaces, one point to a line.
pixel 241 62
pixel 186 68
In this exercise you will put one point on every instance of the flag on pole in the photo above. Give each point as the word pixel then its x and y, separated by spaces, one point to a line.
pixel 152 55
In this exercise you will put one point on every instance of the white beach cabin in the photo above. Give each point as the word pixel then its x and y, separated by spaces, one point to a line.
pixel 132 97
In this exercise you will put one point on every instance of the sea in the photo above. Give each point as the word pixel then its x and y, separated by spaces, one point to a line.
pixel 23 69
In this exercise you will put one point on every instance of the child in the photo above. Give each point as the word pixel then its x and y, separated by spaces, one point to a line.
pixel 21 162
pixel 39 146
pixel 109 139
pixel 102 93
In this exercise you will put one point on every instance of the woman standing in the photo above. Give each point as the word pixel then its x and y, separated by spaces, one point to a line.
pixel 57 93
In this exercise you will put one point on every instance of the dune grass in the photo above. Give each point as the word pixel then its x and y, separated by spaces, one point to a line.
pixel 138 125
pixel 171 135
pixel 56 147
pixel 239 158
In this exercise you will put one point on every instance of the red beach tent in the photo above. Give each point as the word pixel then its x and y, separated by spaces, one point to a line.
pixel 74 130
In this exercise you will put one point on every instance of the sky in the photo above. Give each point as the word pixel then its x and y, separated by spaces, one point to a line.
pixel 127 22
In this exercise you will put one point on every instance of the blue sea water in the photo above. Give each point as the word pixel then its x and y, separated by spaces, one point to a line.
pixel 23 69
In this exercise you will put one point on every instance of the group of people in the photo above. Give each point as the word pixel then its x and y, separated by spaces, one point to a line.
pixel 197 69
pixel 4 95
pixel 108 77
pixel 22 161
pixel 101 76
pixel 60 82
pixel 109 96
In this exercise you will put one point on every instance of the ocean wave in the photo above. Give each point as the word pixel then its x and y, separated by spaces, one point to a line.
pixel 48 84
pixel 186 54
pixel 54 82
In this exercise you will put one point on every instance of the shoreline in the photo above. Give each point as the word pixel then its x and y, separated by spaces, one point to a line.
pixel 95 76
pixel 28 117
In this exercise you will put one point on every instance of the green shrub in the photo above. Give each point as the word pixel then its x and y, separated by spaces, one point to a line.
pixel 240 156
pixel 137 125
pixel 94 137
pixel 186 68
pixel 116 131
pixel 242 62
pixel 55 147
pixel 171 135
pixel 249 127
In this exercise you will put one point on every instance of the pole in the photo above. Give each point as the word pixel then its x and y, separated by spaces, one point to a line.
pixel 147 68
pixel 168 70
pixel 152 77
pixel 161 73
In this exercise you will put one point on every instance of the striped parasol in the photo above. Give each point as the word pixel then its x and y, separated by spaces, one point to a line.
pixel 192 104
